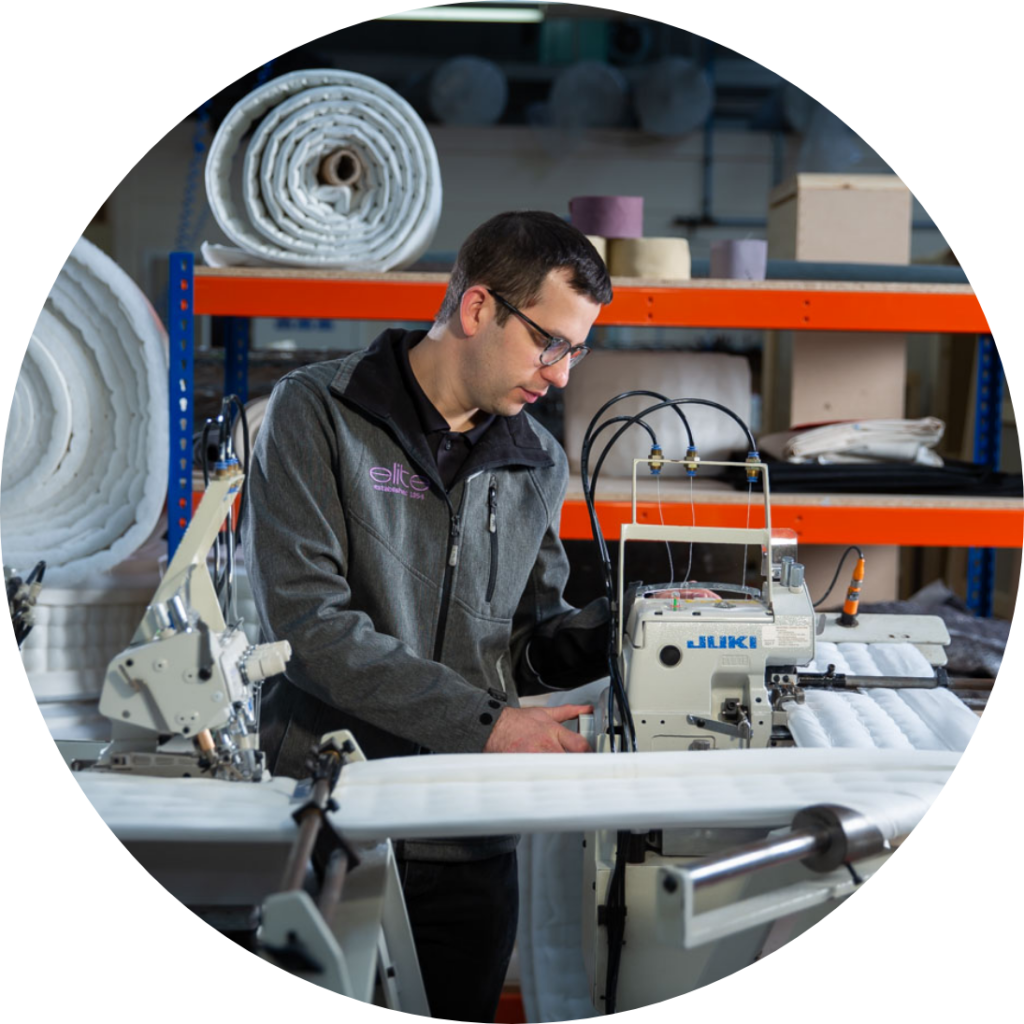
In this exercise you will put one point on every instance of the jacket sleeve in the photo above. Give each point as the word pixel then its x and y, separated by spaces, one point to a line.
pixel 296 555
pixel 556 646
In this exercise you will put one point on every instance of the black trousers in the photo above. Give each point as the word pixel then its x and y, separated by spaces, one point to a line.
pixel 463 918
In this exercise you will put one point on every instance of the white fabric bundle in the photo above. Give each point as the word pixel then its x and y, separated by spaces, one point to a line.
pixel 86 454
pixel 339 172
pixel 861 441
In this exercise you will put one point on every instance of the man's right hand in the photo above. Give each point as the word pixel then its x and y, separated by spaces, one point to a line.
pixel 538 731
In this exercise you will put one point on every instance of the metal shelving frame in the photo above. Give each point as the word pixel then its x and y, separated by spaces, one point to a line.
pixel 240 294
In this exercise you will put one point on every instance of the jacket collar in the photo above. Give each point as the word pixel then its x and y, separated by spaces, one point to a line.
pixel 376 388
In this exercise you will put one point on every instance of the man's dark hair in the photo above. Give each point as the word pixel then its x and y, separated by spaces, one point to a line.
pixel 513 254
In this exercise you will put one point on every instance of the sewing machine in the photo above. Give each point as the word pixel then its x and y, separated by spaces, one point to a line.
pixel 711 666
pixel 182 699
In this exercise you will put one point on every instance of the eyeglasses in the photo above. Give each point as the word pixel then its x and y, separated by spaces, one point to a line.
pixel 556 348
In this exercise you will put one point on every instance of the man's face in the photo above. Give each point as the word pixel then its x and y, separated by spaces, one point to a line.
pixel 504 372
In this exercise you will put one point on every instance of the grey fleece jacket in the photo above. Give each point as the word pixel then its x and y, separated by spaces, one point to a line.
pixel 408 609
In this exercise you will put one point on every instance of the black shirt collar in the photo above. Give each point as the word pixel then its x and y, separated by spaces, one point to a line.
pixel 431 421
pixel 376 388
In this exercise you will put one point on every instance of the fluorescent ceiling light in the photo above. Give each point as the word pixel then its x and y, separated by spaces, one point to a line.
pixel 508 15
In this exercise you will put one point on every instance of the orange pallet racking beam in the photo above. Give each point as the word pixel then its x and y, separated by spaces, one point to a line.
pixel 760 305
pixel 1001 526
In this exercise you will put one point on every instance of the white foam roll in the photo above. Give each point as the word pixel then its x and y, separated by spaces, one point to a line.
pixel 468 90
pixel 86 453
pixel 655 259
pixel 382 210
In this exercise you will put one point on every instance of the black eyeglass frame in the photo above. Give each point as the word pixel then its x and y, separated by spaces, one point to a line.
pixel 576 353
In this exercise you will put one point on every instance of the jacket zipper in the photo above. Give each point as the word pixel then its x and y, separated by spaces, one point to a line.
pixel 454 530
pixel 492 526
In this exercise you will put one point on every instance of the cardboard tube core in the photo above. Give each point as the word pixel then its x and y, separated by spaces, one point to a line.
pixel 341 167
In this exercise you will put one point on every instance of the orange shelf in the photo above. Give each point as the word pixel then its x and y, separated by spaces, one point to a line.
pixel 912 525
pixel 748 305
pixel 751 305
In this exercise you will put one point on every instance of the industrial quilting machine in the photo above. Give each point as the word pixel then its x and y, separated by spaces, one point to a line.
pixel 723 811
pixel 716 669
pixel 711 667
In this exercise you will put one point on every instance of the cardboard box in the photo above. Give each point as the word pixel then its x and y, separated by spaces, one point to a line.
pixel 840 218
pixel 844 218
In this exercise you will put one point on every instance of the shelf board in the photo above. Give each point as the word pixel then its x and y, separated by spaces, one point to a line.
pixel 910 521
pixel 749 305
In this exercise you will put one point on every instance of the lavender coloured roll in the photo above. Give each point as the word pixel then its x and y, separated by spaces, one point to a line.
pixel 608 216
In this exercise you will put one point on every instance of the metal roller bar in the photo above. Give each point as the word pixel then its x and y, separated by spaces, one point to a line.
pixel 757 856
pixel 847 682
pixel 823 837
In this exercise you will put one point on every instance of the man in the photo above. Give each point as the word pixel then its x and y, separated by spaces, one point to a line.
pixel 402 534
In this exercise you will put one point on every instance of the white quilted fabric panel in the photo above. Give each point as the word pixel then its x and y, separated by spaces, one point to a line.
pixel 859 659
pixel 462 794
pixel 487 794
pixel 932 719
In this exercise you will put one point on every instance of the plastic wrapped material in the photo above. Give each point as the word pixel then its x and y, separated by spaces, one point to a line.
pixel 338 171
pixel 86 454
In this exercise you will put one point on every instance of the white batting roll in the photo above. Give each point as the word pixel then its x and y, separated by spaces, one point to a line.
pixel 384 220
pixel 86 453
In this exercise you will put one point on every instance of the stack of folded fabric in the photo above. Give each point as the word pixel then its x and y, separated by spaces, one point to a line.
pixel 860 441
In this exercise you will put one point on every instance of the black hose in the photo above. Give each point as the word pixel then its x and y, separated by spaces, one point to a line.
pixel 839 569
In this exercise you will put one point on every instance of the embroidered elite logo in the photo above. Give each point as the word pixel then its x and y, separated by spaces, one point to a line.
pixel 397 479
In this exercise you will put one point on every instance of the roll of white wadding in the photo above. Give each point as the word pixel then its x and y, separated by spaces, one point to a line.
pixel 339 171
pixel 86 454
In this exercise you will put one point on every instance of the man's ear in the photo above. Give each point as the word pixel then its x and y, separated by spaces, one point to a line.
pixel 475 311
